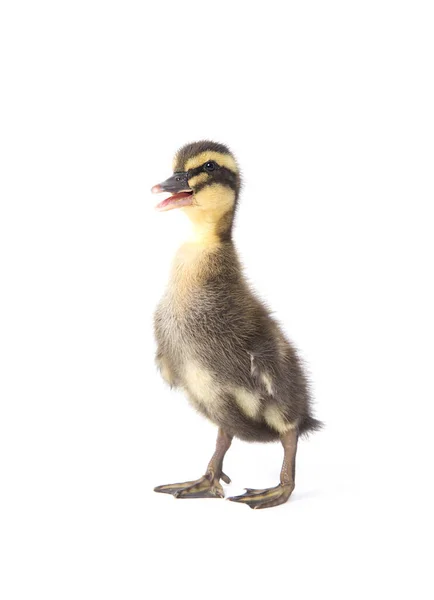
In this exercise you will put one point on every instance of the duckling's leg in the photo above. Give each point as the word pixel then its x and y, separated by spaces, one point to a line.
pixel 209 485
pixel 269 497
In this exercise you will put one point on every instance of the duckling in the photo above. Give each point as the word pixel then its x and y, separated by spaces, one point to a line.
pixel 216 340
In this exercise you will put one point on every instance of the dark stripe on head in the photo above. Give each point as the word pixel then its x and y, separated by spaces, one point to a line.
pixel 221 175
pixel 190 150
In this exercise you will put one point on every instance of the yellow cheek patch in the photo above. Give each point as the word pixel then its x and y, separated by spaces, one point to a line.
pixel 216 199
pixel 211 204
pixel 197 179
pixel 224 160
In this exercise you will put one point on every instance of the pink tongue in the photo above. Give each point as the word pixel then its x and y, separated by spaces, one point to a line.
pixel 174 200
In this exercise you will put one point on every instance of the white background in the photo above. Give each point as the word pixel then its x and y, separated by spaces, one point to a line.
pixel 328 107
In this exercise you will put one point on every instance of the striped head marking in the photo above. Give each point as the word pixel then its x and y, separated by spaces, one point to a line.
pixel 206 183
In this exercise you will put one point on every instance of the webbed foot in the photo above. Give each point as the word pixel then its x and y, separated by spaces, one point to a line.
pixel 265 498
pixel 207 486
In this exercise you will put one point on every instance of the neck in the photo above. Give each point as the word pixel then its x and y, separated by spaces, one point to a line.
pixel 205 235
pixel 210 232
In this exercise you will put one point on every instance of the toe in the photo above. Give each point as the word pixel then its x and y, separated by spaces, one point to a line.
pixel 201 488
pixel 265 498
pixel 225 478
pixel 173 488
pixel 206 493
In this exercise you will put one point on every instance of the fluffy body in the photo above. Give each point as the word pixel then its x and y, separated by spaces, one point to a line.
pixel 217 342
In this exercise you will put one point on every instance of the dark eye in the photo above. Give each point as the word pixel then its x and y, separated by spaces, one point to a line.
pixel 209 166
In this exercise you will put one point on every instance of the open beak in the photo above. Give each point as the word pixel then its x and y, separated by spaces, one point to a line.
pixel 177 186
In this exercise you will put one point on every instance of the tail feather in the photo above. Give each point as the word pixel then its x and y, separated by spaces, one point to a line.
pixel 309 424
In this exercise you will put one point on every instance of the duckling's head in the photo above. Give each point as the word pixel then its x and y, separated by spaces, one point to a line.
pixel 205 184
